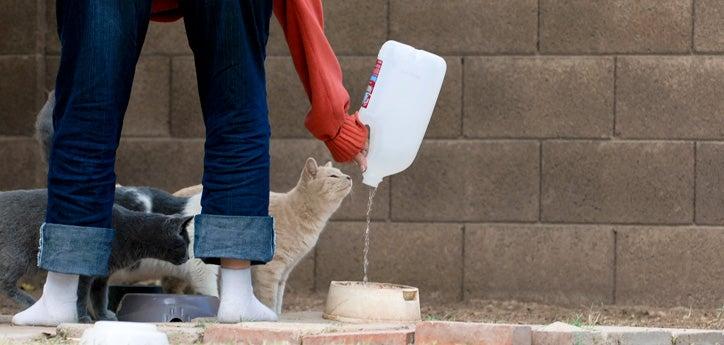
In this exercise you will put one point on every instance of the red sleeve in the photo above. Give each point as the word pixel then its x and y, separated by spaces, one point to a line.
pixel 319 71
pixel 165 10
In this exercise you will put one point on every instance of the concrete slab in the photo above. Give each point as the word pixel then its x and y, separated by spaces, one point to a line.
pixel 178 333
pixel 10 334
pixel 615 335
pixel 560 333
pixel 697 337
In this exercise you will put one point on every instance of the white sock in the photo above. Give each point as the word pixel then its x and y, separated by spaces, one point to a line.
pixel 236 298
pixel 57 304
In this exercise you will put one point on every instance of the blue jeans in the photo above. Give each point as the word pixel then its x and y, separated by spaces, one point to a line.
pixel 101 43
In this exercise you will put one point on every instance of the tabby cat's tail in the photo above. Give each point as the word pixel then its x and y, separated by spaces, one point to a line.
pixel 44 126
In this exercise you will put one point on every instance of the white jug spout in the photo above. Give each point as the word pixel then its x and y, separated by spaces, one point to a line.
pixel 371 179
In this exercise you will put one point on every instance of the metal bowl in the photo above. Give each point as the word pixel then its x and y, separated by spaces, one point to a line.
pixel 143 307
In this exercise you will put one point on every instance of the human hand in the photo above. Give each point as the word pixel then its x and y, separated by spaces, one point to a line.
pixel 361 158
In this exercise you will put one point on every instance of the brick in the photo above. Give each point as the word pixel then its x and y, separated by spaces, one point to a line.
pixel 634 335
pixel 186 117
pixel 392 337
pixel 166 38
pixel 669 266
pixel 450 333
pixel 288 157
pixel 19 29
pixel 466 26
pixel 709 26
pixel 169 164
pixel 341 246
pixel 617 182
pixel 258 333
pixel 616 26
pixel 302 277
pixel 709 185
pixel 19 94
pixel 538 97
pixel 469 181
pixel 148 109
pixel 222 334
pixel 564 264
pixel 559 333
pixel 670 97
pixel 22 166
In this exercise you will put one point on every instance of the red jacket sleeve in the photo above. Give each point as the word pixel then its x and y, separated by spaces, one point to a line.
pixel 319 71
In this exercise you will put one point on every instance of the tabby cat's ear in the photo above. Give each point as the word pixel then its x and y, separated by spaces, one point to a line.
pixel 329 164
pixel 310 169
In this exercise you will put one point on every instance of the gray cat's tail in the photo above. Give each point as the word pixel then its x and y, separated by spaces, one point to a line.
pixel 44 126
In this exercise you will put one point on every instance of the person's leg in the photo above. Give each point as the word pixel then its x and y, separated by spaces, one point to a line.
pixel 228 38
pixel 101 41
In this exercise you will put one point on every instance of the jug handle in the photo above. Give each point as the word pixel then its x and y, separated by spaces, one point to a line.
pixel 364 117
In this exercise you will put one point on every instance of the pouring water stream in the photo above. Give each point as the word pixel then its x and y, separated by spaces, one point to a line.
pixel 367 233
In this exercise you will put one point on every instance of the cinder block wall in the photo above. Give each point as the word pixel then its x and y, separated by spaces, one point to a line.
pixel 575 156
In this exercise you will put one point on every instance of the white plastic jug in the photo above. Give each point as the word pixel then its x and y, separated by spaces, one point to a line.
pixel 397 106
pixel 123 333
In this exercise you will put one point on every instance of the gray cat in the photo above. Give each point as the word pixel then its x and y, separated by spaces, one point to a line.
pixel 139 235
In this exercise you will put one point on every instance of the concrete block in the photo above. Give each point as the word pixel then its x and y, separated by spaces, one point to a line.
pixel 709 26
pixel 469 181
pixel 466 27
pixel 538 97
pixel 20 94
pixel 19 29
pixel 670 97
pixel 617 26
pixel 669 266
pixel 617 182
pixel 565 264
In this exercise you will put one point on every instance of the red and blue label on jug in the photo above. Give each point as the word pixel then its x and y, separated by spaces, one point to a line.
pixel 371 86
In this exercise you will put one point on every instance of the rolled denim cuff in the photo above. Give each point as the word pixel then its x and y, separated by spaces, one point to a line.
pixel 75 249
pixel 233 237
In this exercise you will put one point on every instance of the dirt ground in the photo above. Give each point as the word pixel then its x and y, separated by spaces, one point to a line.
pixel 526 313
pixel 536 313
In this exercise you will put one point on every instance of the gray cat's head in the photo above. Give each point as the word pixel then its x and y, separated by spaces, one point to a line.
pixel 149 236
pixel 174 240
pixel 325 181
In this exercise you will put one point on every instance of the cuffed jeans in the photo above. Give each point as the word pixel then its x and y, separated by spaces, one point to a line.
pixel 101 43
